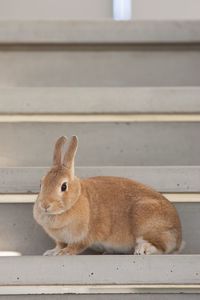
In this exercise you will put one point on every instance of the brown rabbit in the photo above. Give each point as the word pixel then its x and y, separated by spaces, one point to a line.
pixel 110 214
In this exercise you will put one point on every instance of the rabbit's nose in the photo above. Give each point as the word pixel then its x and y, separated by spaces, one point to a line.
pixel 45 207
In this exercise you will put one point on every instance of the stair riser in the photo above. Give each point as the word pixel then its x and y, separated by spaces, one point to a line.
pixel 100 144
pixel 100 65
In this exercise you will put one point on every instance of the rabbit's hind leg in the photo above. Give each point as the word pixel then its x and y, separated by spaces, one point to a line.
pixel 144 247
pixel 157 243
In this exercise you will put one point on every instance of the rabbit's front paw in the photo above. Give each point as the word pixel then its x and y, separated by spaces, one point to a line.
pixel 72 249
pixel 64 252
pixel 51 252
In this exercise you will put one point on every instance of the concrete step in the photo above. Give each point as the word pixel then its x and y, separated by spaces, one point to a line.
pixel 103 100
pixel 104 53
pixel 156 119
pixel 97 32
pixel 79 275
pixel 19 185
pixel 115 143
pixel 166 179
pixel 84 277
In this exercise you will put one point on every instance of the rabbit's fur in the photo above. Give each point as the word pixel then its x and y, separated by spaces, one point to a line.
pixel 110 214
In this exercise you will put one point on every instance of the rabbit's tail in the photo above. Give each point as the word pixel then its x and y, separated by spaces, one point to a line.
pixel 182 246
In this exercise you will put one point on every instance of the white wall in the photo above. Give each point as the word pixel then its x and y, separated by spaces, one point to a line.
pixel 55 9
pixel 97 9
pixel 166 9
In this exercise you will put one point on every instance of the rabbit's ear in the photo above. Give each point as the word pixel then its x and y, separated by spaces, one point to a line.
pixel 58 150
pixel 69 156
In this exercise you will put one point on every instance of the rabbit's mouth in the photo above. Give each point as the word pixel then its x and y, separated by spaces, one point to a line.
pixel 54 213
pixel 50 209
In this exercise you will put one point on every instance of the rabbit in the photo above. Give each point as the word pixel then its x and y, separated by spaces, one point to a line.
pixel 105 213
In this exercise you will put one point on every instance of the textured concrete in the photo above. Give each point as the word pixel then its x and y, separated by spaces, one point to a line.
pixel 90 270
pixel 105 31
pixel 111 53
pixel 100 100
pixel 177 179
pixel 114 65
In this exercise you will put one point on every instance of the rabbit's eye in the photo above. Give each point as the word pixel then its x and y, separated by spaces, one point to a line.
pixel 64 187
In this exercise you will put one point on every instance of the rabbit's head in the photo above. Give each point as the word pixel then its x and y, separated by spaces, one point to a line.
pixel 60 189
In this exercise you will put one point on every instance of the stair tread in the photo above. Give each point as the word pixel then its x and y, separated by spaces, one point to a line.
pixel 106 31
pixel 90 269
pixel 105 100
pixel 163 178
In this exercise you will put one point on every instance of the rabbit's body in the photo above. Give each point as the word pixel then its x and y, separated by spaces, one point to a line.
pixel 110 214
pixel 123 211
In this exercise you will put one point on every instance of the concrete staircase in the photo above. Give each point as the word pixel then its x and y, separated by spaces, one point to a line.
pixel 101 53
pixel 130 91
pixel 153 120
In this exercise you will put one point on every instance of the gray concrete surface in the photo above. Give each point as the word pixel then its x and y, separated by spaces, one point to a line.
pixel 114 65
pixel 125 100
pixel 63 52
pixel 103 32
pixel 90 270
pixel 102 144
